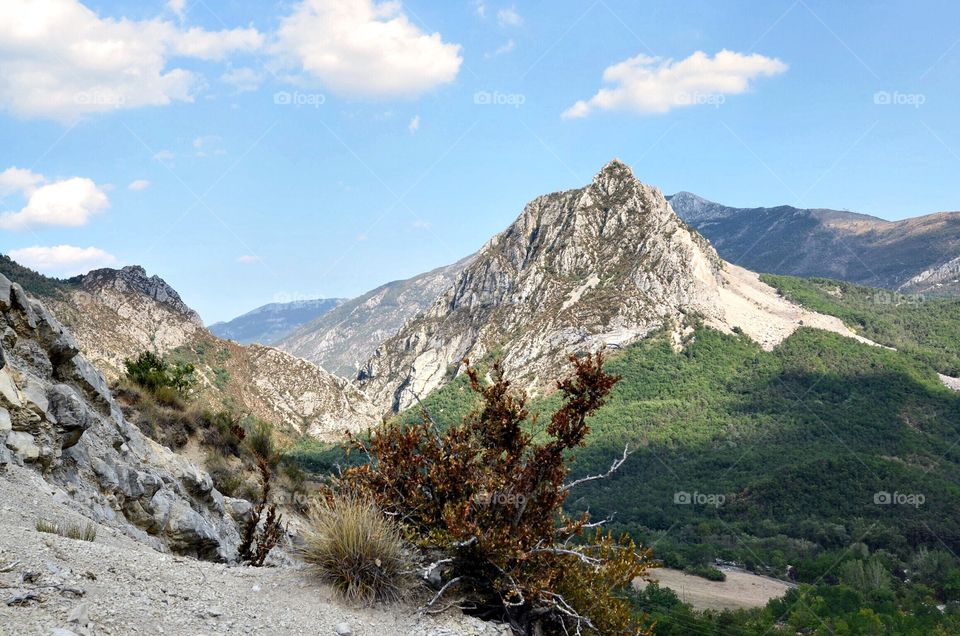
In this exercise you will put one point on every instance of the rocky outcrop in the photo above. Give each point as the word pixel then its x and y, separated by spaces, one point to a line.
pixel 941 280
pixel 914 255
pixel 344 339
pixel 133 280
pixel 600 266
pixel 58 415
pixel 117 314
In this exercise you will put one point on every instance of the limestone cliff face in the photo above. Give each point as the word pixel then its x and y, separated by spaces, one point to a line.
pixel 600 266
pixel 116 314
pixel 58 415
pixel 578 270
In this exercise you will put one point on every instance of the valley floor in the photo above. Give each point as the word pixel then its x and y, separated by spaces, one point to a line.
pixel 741 590
pixel 116 585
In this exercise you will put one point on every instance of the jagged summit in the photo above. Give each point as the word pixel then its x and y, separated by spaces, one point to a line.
pixel 133 279
pixel 598 266
pixel 601 265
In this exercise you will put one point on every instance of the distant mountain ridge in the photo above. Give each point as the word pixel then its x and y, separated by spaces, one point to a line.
pixel 912 255
pixel 271 323
pixel 343 339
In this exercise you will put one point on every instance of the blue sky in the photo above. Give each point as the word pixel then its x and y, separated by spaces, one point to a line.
pixel 251 152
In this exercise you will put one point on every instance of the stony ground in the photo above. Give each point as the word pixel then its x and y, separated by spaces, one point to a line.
pixel 114 585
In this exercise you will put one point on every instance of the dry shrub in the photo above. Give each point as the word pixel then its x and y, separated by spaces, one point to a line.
pixel 78 531
pixel 357 550
pixel 489 499
pixel 169 397
pixel 256 538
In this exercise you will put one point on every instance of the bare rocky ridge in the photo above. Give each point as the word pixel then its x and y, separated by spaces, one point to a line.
pixel 342 340
pixel 914 255
pixel 58 416
pixel 116 314
pixel 579 270
pixel 942 280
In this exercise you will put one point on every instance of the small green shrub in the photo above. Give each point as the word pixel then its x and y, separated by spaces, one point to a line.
pixel 259 440
pixel 152 372
pixel 707 572
pixel 357 550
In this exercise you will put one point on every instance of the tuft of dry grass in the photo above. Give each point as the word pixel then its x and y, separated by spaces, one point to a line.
pixel 80 532
pixel 358 550
pixel 47 527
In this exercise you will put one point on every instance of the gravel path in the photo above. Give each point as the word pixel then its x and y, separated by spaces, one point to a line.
pixel 115 585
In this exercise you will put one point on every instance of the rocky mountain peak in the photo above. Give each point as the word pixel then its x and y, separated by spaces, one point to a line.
pixel 133 279
pixel 577 270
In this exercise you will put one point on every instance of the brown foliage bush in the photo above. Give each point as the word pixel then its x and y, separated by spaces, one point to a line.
pixel 489 498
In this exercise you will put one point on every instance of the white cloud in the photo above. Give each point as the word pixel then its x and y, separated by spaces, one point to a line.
pixel 14 180
pixel 62 61
pixel 504 48
pixel 243 79
pixel 366 49
pixel 509 17
pixel 63 260
pixel 178 7
pixel 421 224
pixel 215 45
pixel 480 8
pixel 248 258
pixel 414 124
pixel 138 184
pixel 66 202
pixel 164 155
pixel 645 84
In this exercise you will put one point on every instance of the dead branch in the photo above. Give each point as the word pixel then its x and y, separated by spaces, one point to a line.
pixel 440 594
pixel 617 463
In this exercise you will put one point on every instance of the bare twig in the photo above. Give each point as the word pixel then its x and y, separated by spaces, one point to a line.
pixel 440 594
pixel 589 560
pixel 617 463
